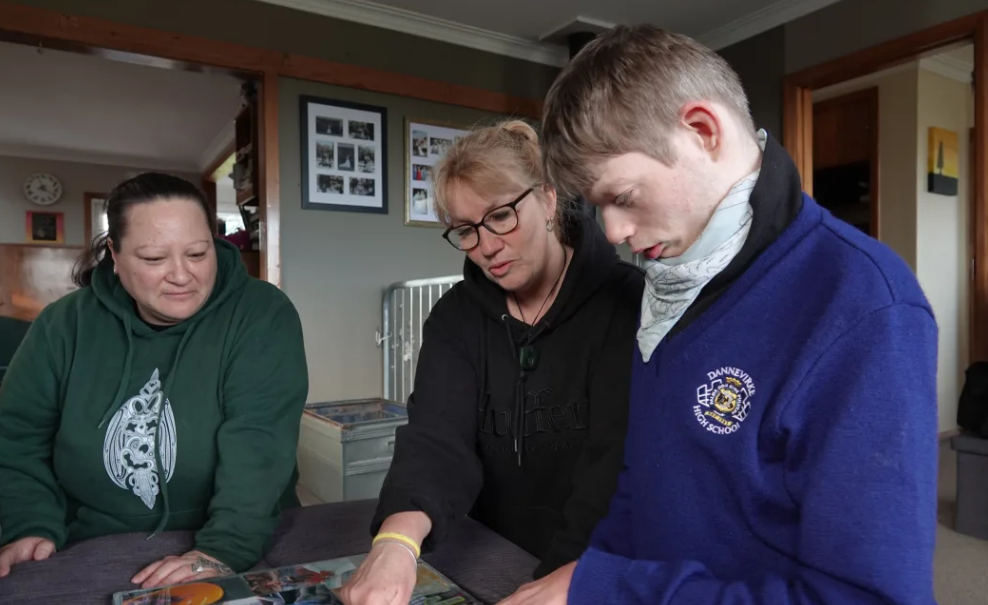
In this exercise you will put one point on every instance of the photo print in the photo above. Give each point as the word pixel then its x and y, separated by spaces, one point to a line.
pixel 365 159
pixel 331 183
pixel 420 143
pixel 420 201
pixel 324 155
pixel 425 144
pixel 363 131
pixel 363 187
pixel 344 155
pixel 307 584
pixel 329 126
pixel 347 162
pixel 421 172
pixel 437 147
pixel 45 227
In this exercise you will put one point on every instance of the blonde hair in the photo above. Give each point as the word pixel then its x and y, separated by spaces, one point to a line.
pixel 623 93
pixel 493 160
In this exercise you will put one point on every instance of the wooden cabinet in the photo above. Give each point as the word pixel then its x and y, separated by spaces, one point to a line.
pixel 843 128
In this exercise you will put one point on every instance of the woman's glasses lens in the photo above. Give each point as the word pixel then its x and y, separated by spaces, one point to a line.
pixel 464 238
pixel 501 221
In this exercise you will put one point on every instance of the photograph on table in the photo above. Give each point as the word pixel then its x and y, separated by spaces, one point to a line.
pixel 426 142
pixel 309 583
pixel 271 581
pixel 339 139
pixel 217 591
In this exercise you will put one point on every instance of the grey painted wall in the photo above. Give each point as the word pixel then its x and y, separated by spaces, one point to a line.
pixel 760 61
pixel 852 25
pixel 336 265
pixel 77 179
pixel 287 30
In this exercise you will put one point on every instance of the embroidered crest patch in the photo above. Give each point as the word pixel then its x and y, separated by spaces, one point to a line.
pixel 723 402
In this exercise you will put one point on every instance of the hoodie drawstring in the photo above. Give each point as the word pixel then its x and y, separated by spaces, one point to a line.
pixel 519 411
pixel 527 360
pixel 162 479
pixel 119 400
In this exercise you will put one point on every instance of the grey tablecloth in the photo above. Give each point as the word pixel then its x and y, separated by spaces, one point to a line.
pixel 483 563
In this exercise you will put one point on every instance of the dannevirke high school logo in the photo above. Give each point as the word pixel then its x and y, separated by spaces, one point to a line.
pixel 724 401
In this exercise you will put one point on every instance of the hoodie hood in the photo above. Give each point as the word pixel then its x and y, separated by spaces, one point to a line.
pixel 591 266
pixel 231 274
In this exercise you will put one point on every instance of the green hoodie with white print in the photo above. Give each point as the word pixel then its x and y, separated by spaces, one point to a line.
pixel 93 388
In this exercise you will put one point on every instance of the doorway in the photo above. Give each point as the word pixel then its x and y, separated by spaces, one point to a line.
pixel 798 117
pixel 84 123
pixel 846 157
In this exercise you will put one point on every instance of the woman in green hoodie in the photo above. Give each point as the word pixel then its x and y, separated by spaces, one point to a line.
pixel 164 394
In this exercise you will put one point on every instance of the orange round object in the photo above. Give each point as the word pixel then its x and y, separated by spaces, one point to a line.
pixel 199 593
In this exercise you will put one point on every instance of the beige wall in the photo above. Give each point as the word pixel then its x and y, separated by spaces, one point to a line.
pixel 897 152
pixel 943 235
pixel 336 265
pixel 76 178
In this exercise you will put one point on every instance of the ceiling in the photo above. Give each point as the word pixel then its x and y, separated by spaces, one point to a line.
pixel 531 30
pixel 82 108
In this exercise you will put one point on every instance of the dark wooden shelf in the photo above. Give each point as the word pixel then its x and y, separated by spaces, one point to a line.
pixel 246 197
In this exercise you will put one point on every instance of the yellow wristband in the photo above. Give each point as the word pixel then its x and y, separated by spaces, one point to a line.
pixel 399 538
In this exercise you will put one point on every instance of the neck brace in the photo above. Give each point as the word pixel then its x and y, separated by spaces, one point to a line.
pixel 672 284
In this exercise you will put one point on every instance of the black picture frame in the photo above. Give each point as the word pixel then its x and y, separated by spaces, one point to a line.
pixel 344 155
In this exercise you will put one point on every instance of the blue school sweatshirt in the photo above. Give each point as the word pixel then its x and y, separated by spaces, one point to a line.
pixel 782 448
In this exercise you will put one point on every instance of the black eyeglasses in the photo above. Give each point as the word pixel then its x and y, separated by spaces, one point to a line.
pixel 499 221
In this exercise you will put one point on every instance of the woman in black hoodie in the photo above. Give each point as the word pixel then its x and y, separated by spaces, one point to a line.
pixel 520 402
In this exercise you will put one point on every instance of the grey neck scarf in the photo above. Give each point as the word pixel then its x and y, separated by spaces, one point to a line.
pixel 672 284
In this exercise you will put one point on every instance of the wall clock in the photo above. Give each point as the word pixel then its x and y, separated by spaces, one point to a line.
pixel 43 189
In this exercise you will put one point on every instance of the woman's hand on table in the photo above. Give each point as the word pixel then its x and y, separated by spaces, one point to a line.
pixel 25 549
pixel 193 565
pixel 386 577
pixel 550 590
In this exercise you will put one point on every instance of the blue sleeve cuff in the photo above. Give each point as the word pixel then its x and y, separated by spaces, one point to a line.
pixel 597 579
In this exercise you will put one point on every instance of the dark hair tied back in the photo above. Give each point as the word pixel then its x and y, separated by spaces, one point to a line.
pixel 142 189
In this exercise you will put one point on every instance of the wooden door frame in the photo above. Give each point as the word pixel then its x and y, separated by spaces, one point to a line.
pixel 797 118
pixel 87 213
pixel 53 29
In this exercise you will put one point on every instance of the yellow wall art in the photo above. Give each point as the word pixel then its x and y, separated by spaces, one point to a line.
pixel 942 161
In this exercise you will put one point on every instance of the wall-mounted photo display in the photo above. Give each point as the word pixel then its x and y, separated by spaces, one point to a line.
pixel 45 227
pixel 343 155
pixel 425 143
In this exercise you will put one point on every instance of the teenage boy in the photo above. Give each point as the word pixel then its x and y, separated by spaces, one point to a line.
pixel 782 443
